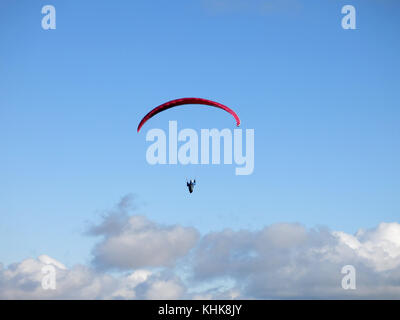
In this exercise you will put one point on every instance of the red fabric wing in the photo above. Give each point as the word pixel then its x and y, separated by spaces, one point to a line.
pixel 182 101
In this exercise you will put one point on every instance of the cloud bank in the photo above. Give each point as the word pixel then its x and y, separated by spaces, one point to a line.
pixel 280 261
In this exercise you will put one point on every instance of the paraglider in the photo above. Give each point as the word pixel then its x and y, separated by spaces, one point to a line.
pixel 191 185
pixel 184 101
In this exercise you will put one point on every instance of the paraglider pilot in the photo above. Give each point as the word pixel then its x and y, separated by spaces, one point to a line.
pixel 191 185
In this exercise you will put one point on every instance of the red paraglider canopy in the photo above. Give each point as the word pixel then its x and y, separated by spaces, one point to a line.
pixel 182 101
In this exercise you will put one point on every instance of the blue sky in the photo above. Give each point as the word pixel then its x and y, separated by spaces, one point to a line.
pixel 323 101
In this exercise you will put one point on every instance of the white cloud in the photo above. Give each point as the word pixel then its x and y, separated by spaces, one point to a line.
pixel 50 261
pixel 379 247
pixel 23 281
pixel 165 289
pixel 279 261
pixel 135 242
pixel 289 261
